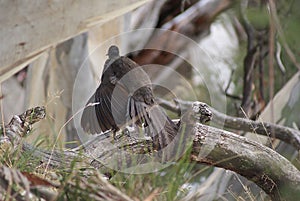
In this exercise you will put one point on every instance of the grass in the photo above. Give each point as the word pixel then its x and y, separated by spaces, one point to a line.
pixel 167 182
pixel 171 183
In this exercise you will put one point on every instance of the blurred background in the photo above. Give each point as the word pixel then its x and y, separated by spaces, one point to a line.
pixel 242 54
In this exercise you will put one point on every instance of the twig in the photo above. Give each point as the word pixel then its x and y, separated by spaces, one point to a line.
pixel 263 51
pixel 249 61
pixel 272 31
pixel 227 88
pixel 278 59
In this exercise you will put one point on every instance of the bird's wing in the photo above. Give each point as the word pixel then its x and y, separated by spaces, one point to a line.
pixel 142 108
pixel 119 102
pixel 131 75
pixel 97 116
pixel 89 121
pixel 160 127
pixel 104 108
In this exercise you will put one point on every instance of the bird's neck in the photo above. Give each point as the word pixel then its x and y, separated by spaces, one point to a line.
pixel 114 57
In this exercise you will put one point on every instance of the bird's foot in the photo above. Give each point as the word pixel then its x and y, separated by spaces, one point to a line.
pixel 120 134
pixel 114 138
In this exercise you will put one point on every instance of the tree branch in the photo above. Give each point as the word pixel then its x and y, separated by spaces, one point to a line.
pixel 192 23
pixel 286 134
pixel 265 167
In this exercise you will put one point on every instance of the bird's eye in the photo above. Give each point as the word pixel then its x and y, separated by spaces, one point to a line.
pixel 114 73
pixel 113 78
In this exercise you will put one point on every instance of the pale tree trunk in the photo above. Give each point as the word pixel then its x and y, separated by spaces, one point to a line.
pixel 27 30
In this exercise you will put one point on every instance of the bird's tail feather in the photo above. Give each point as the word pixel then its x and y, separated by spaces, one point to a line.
pixel 162 130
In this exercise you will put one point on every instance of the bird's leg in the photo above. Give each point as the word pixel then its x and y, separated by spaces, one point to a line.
pixel 126 131
pixel 114 135
pixel 114 131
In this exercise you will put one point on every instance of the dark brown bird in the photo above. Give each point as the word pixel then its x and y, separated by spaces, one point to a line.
pixel 125 96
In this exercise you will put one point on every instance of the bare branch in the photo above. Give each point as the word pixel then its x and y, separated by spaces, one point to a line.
pixel 191 23
pixel 19 126
pixel 286 134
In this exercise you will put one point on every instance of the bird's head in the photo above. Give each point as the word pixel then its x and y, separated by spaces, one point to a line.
pixel 113 52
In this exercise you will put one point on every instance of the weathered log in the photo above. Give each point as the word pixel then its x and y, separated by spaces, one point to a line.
pixel 27 30
pixel 212 146
pixel 19 127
